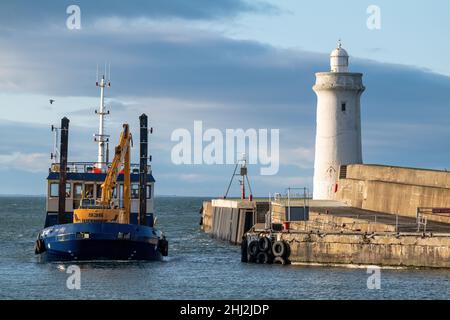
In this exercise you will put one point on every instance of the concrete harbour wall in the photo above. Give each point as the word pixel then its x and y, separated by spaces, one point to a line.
pixel 395 190
pixel 382 250
pixel 331 239
pixel 228 220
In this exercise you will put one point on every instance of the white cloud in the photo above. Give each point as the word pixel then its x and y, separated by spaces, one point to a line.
pixel 281 183
pixel 30 162
pixel 300 157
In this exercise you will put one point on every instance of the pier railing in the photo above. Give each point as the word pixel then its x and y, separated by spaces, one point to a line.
pixel 424 215
pixel 401 223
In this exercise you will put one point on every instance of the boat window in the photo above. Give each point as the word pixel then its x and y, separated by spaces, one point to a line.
pixel 149 191
pixel 120 191
pixel 99 190
pixel 68 190
pixel 78 190
pixel 54 189
pixel 121 202
pixel 88 191
pixel 135 191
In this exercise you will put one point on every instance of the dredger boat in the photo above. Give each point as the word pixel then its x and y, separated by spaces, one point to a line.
pixel 101 210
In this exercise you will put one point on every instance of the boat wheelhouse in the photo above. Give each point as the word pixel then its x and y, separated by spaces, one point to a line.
pixel 83 183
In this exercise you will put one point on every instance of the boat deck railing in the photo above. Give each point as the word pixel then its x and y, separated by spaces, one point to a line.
pixel 91 167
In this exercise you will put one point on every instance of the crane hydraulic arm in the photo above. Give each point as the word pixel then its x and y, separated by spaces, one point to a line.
pixel 121 156
pixel 104 210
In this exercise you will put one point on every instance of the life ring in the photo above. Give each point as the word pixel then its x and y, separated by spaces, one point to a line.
pixel 264 244
pixel 280 249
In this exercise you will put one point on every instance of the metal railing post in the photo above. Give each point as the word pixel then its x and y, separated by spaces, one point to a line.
pixel 425 225
pixel 418 219
pixel 289 204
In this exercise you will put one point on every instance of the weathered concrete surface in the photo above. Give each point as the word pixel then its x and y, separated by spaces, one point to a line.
pixel 395 190
pixel 329 238
pixel 207 216
pixel 401 224
pixel 412 176
pixel 342 224
pixel 228 220
pixel 235 204
pixel 382 249
pixel 328 222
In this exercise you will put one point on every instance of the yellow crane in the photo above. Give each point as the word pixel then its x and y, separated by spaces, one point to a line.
pixel 104 209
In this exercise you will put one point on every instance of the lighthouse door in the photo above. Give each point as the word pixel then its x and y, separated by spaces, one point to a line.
pixel 331 172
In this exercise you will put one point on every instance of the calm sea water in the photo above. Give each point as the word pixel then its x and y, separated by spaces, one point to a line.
pixel 198 267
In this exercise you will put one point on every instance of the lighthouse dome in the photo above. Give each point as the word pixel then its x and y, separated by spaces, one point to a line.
pixel 339 59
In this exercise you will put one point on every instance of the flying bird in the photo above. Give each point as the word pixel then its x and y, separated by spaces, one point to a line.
pixel 51 101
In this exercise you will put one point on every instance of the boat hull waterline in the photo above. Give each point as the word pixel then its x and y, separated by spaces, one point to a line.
pixel 100 241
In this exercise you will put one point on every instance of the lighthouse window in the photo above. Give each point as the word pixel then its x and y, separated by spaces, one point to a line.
pixel 343 107
pixel 54 189
pixel 135 191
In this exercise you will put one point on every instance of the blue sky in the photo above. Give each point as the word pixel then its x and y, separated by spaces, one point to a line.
pixel 229 63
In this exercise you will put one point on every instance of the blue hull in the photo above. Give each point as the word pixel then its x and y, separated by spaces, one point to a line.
pixel 100 241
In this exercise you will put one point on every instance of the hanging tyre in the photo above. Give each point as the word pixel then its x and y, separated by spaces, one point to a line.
pixel 163 245
pixel 263 258
pixel 250 258
pixel 279 260
pixel 280 249
pixel 39 246
pixel 264 244
pixel 253 248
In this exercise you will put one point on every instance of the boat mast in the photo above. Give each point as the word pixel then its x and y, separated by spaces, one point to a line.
pixel 101 138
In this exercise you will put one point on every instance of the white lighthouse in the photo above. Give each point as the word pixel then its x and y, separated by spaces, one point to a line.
pixel 338 133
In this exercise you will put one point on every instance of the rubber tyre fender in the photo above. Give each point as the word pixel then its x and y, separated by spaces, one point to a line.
pixel 264 244
pixel 253 248
pixel 279 249
pixel 288 252
pixel 250 259
pixel 279 260
pixel 262 257
pixel 163 245
pixel 39 247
